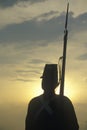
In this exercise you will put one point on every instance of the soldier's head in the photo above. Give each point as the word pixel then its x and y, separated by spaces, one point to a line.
pixel 50 77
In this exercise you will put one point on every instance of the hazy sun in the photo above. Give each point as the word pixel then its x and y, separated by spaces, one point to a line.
pixel 69 91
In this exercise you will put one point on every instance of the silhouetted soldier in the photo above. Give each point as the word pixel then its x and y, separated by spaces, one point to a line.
pixel 50 111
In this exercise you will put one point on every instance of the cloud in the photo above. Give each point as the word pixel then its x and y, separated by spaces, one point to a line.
pixel 85 44
pixel 83 57
pixel 24 80
pixel 9 3
pixel 47 16
pixel 27 31
pixel 13 57
pixel 77 26
pixel 48 29
pixel 31 71
pixel 23 11
pixel 20 12
pixel 35 1
pixel 27 74
pixel 38 61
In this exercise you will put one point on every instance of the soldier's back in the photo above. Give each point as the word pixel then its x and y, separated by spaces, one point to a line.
pixel 54 114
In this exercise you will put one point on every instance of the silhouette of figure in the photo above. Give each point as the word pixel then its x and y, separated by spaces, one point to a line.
pixel 50 111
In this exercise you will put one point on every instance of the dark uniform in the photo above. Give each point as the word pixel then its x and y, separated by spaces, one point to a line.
pixel 54 113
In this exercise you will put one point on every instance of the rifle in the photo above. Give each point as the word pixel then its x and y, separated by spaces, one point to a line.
pixel 64 54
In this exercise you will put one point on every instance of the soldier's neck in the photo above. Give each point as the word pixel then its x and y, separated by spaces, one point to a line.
pixel 48 95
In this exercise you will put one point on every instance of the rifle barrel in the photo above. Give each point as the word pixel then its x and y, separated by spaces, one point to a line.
pixel 64 54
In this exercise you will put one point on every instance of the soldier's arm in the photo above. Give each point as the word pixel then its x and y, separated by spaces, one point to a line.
pixel 29 116
pixel 71 119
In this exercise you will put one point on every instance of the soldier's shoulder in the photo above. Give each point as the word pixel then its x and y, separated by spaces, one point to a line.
pixel 66 99
pixel 63 98
pixel 35 99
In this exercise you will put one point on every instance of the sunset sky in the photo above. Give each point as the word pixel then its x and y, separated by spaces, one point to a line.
pixel 31 35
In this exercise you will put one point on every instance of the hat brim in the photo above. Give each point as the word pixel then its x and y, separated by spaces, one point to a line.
pixel 41 77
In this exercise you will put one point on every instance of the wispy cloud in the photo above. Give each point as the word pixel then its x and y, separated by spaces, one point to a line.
pixel 38 61
pixel 9 3
pixel 83 57
pixel 24 80
pixel 35 1
pixel 27 73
